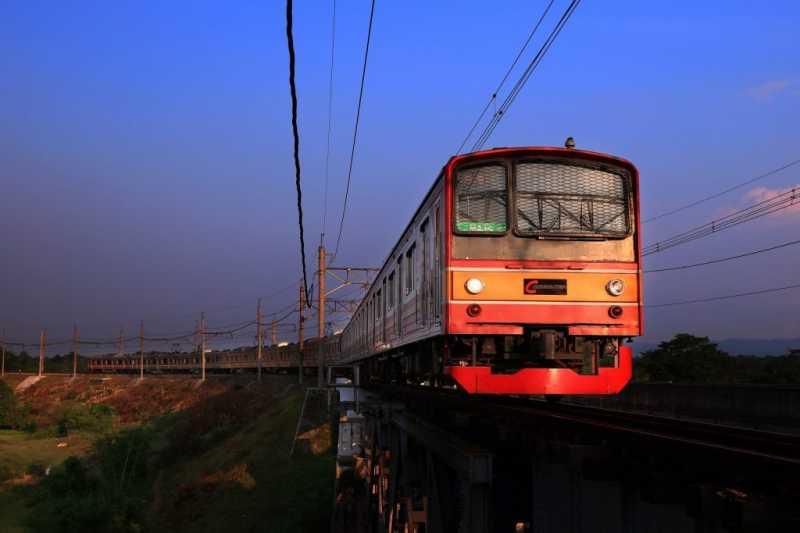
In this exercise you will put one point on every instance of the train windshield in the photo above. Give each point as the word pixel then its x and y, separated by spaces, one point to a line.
pixel 481 195
pixel 542 208
pixel 554 199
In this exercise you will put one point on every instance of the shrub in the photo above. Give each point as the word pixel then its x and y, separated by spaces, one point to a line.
pixel 94 418
pixel 13 414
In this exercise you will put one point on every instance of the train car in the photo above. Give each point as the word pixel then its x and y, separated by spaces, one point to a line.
pixel 518 274
pixel 279 357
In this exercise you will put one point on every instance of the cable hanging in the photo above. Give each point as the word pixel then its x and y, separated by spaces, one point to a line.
pixel 493 98
pixel 523 79
pixel 721 193
pixel 726 297
pixel 766 207
pixel 723 259
pixel 330 120
pixel 296 135
pixel 355 131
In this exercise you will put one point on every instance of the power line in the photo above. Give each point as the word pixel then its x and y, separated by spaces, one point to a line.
pixel 296 134
pixel 355 132
pixel 505 77
pixel 726 297
pixel 523 79
pixel 721 193
pixel 766 207
pixel 723 259
pixel 330 119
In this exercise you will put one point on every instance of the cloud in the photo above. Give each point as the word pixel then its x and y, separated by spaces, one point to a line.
pixel 769 90
pixel 760 194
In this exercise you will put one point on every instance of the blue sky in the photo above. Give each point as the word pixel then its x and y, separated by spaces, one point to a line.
pixel 145 147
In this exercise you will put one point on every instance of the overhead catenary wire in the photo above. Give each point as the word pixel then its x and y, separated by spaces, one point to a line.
pixel 296 146
pixel 722 193
pixel 493 97
pixel 523 79
pixel 725 297
pixel 760 209
pixel 330 122
pixel 723 259
pixel 355 131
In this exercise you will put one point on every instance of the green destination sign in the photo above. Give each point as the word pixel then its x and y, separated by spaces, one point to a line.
pixel 493 227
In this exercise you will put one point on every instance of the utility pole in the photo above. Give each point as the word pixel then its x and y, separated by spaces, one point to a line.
pixel 202 346
pixel 301 330
pixel 141 349
pixel 273 334
pixel 42 341
pixel 321 316
pixel 75 349
pixel 119 342
pixel 260 336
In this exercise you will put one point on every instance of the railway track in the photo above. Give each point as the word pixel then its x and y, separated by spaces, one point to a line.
pixel 771 446
pixel 727 443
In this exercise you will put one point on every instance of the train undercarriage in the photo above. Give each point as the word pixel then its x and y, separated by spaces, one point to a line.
pixel 541 361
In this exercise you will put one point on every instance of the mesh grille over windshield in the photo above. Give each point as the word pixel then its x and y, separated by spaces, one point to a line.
pixel 553 199
pixel 482 199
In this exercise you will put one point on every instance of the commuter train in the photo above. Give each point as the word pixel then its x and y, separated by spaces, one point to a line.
pixel 518 274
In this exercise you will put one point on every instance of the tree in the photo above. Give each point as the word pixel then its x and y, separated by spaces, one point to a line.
pixel 684 359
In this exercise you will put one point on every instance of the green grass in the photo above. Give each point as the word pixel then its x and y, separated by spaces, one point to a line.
pixel 19 450
pixel 14 509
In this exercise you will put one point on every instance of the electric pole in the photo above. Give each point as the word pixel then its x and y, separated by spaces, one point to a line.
pixel 75 349
pixel 321 316
pixel 42 341
pixel 260 336
pixel 300 331
pixel 141 349
pixel 273 333
pixel 202 346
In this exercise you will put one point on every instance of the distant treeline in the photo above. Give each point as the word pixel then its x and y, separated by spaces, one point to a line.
pixel 24 362
pixel 689 359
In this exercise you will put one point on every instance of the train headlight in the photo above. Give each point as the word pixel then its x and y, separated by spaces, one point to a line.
pixel 474 286
pixel 615 287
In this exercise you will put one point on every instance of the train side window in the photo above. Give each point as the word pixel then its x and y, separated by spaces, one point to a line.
pixel 424 286
pixel 390 292
pixel 399 315
pixel 410 269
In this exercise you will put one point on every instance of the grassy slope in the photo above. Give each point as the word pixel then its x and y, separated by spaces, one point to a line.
pixel 248 482
pixel 224 466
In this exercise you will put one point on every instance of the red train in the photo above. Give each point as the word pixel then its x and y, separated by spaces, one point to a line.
pixel 518 274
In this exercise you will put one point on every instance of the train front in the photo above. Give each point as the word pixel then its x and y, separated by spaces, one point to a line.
pixel 544 281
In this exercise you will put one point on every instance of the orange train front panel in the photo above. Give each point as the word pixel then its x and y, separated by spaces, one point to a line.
pixel 580 299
